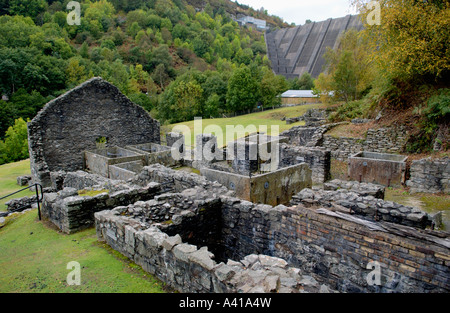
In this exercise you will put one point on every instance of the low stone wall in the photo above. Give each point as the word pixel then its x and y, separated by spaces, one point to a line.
pixel 188 268
pixel 366 207
pixel 431 176
pixel 309 136
pixel 363 189
pixel 177 181
pixel 342 147
pixel 71 212
pixel 272 188
pixel 125 171
pixel 305 136
pixel 155 153
pixel 318 160
pixel 81 180
pixel 382 140
pixel 20 204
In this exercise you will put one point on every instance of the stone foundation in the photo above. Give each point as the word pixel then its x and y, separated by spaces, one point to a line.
pixel 188 267
pixel 329 248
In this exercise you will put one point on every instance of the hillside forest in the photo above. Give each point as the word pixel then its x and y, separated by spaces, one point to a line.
pixel 184 58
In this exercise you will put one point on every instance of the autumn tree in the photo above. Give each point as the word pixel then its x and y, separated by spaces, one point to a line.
pixel 411 40
pixel 349 73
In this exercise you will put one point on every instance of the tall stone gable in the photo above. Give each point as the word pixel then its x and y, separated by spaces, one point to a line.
pixel 72 123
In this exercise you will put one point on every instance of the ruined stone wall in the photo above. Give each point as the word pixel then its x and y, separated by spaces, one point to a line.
pixel 189 268
pixel 427 175
pixel 383 140
pixel 305 136
pixel 72 123
pixel 318 160
pixel 272 188
pixel 336 248
pixel 177 181
pixel 332 248
pixel 364 206
pixel 71 212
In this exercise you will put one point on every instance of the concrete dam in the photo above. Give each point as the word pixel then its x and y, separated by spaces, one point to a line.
pixel 294 51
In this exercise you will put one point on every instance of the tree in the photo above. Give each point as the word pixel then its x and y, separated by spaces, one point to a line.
pixel 349 71
pixel 411 42
pixel 15 145
pixel 31 8
pixel 75 72
pixel 271 87
pixel 243 90
pixel 305 82
pixel 202 43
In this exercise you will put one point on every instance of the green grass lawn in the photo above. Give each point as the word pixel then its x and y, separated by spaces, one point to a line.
pixel 34 255
pixel 267 118
pixel 8 184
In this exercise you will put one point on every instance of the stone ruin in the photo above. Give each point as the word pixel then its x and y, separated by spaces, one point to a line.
pixel 76 121
pixel 199 234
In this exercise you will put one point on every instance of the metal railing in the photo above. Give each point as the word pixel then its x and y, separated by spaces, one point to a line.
pixel 38 189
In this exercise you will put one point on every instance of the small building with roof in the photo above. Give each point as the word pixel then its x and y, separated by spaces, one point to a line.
pixel 293 97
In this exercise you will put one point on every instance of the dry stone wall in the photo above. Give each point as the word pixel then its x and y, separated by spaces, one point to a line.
pixel 367 207
pixel 427 175
pixel 383 140
pixel 318 160
pixel 300 247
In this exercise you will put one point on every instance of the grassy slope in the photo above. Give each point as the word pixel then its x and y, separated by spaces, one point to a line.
pixel 34 256
pixel 8 184
pixel 269 118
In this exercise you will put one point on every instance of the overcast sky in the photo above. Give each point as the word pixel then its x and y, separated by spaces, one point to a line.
pixel 298 11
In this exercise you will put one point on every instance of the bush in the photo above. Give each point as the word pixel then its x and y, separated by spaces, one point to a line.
pixel 350 110
pixel 15 146
pixel 438 106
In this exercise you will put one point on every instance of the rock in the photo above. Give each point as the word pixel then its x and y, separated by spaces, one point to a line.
pixel 183 250
pixel 271 283
pixel 272 261
pixel 203 258
pixel 415 217
pixel 308 281
pixel 170 242
pixel 224 272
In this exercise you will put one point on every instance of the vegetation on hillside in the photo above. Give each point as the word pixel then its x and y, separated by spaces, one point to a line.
pixel 400 68
pixel 176 58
